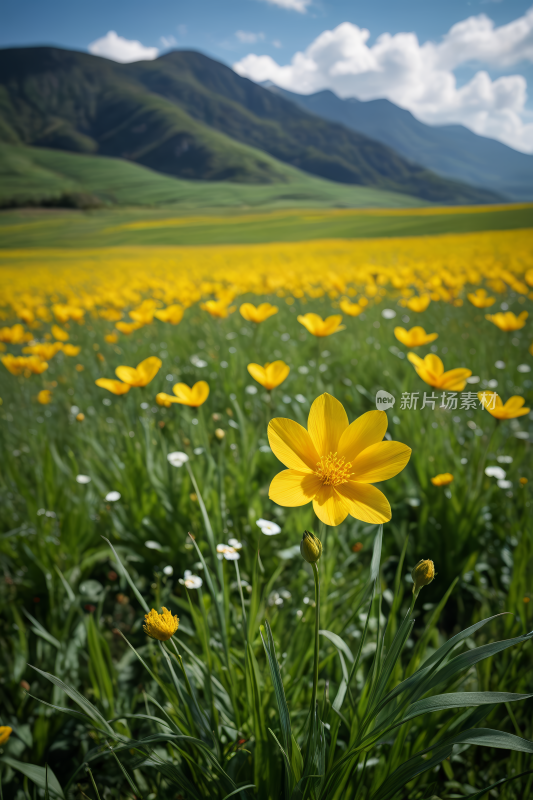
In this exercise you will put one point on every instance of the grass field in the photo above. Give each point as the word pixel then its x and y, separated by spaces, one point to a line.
pixel 266 689
pixel 36 175
pixel 111 228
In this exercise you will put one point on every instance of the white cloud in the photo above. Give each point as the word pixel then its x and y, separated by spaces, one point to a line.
pixel 124 50
pixel 277 44
pixel 420 77
pixel 168 41
pixel 293 5
pixel 247 37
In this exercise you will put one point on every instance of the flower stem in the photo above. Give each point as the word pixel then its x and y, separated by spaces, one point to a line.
pixel 315 665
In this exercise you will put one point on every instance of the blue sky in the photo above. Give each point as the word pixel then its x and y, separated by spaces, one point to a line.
pixel 262 37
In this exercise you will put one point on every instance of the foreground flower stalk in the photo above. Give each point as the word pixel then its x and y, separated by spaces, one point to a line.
pixel 311 550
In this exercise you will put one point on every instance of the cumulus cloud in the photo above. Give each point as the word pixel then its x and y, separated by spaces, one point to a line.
pixel 123 50
pixel 420 77
pixel 247 37
pixel 293 5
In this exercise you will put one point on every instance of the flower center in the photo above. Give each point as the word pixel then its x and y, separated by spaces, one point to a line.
pixel 333 470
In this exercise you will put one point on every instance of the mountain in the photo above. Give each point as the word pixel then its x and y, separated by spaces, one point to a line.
pixel 189 116
pixel 452 151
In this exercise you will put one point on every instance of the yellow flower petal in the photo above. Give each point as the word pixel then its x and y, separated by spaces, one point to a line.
pixel 127 375
pixel 148 369
pixel 368 429
pixel 365 502
pixel 329 506
pixel 379 462
pixel 291 488
pixel 291 443
pixel 116 387
pixel 455 379
pixel 326 424
pixel 434 364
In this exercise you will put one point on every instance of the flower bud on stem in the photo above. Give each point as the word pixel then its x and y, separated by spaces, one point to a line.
pixel 422 575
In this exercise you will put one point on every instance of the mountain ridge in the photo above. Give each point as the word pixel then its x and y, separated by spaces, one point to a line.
pixel 189 116
pixel 452 151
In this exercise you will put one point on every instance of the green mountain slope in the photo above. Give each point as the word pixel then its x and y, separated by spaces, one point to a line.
pixel 189 116
pixel 40 176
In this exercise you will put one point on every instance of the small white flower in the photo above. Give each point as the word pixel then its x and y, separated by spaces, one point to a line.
pixel 151 545
pixel 505 459
pixel 168 570
pixel 112 497
pixel 227 552
pixel 505 484
pixel 83 479
pixel 191 581
pixel 388 313
pixel 267 527
pixel 235 544
pixel 524 368
pixel 177 459
pixel 495 472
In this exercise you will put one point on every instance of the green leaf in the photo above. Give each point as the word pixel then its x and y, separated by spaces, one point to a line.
pixel 339 644
pixel 126 574
pixel 78 698
pixel 482 792
pixel 441 702
pixel 418 763
pixel 38 775
pixel 279 691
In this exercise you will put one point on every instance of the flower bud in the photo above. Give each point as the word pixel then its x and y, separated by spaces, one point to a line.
pixel 422 574
pixel 310 547
pixel 220 433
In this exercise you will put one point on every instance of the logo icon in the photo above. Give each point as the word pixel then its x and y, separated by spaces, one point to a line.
pixel 384 400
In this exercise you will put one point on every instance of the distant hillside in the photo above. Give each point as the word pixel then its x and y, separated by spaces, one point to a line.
pixel 450 150
pixel 38 176
pixel 191 117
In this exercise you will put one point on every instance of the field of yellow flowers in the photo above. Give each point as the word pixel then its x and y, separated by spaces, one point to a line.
pixel 266 524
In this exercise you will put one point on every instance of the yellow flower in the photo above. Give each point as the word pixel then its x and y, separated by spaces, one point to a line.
pixel 443 479
pixel 217 308
pixel 34 365
pixel 191 396
pixel 160 626
pixel 142 374
pixel 422 574
pixel 113 386
pixel 480 299
pixel 172 314
pixel 271 375
pixel 111 338
pixel 5 733
pixel 71 349
pixel 419 303
pixel 144 314
pixel 65 312
pixel 80 417
pixel 59 333
pixel 431 370
pixel 321 327
pixel 111 314
pixel 333 464
pixel 259 313
pixel 352 309
pixel 44 350
pixel 163 399
pixel 44 397
pixel 523 481
pixel 128 327
pixel 415 337
pixel 493 403
pixel 15 335
pixel 507 321
pixel 79 367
